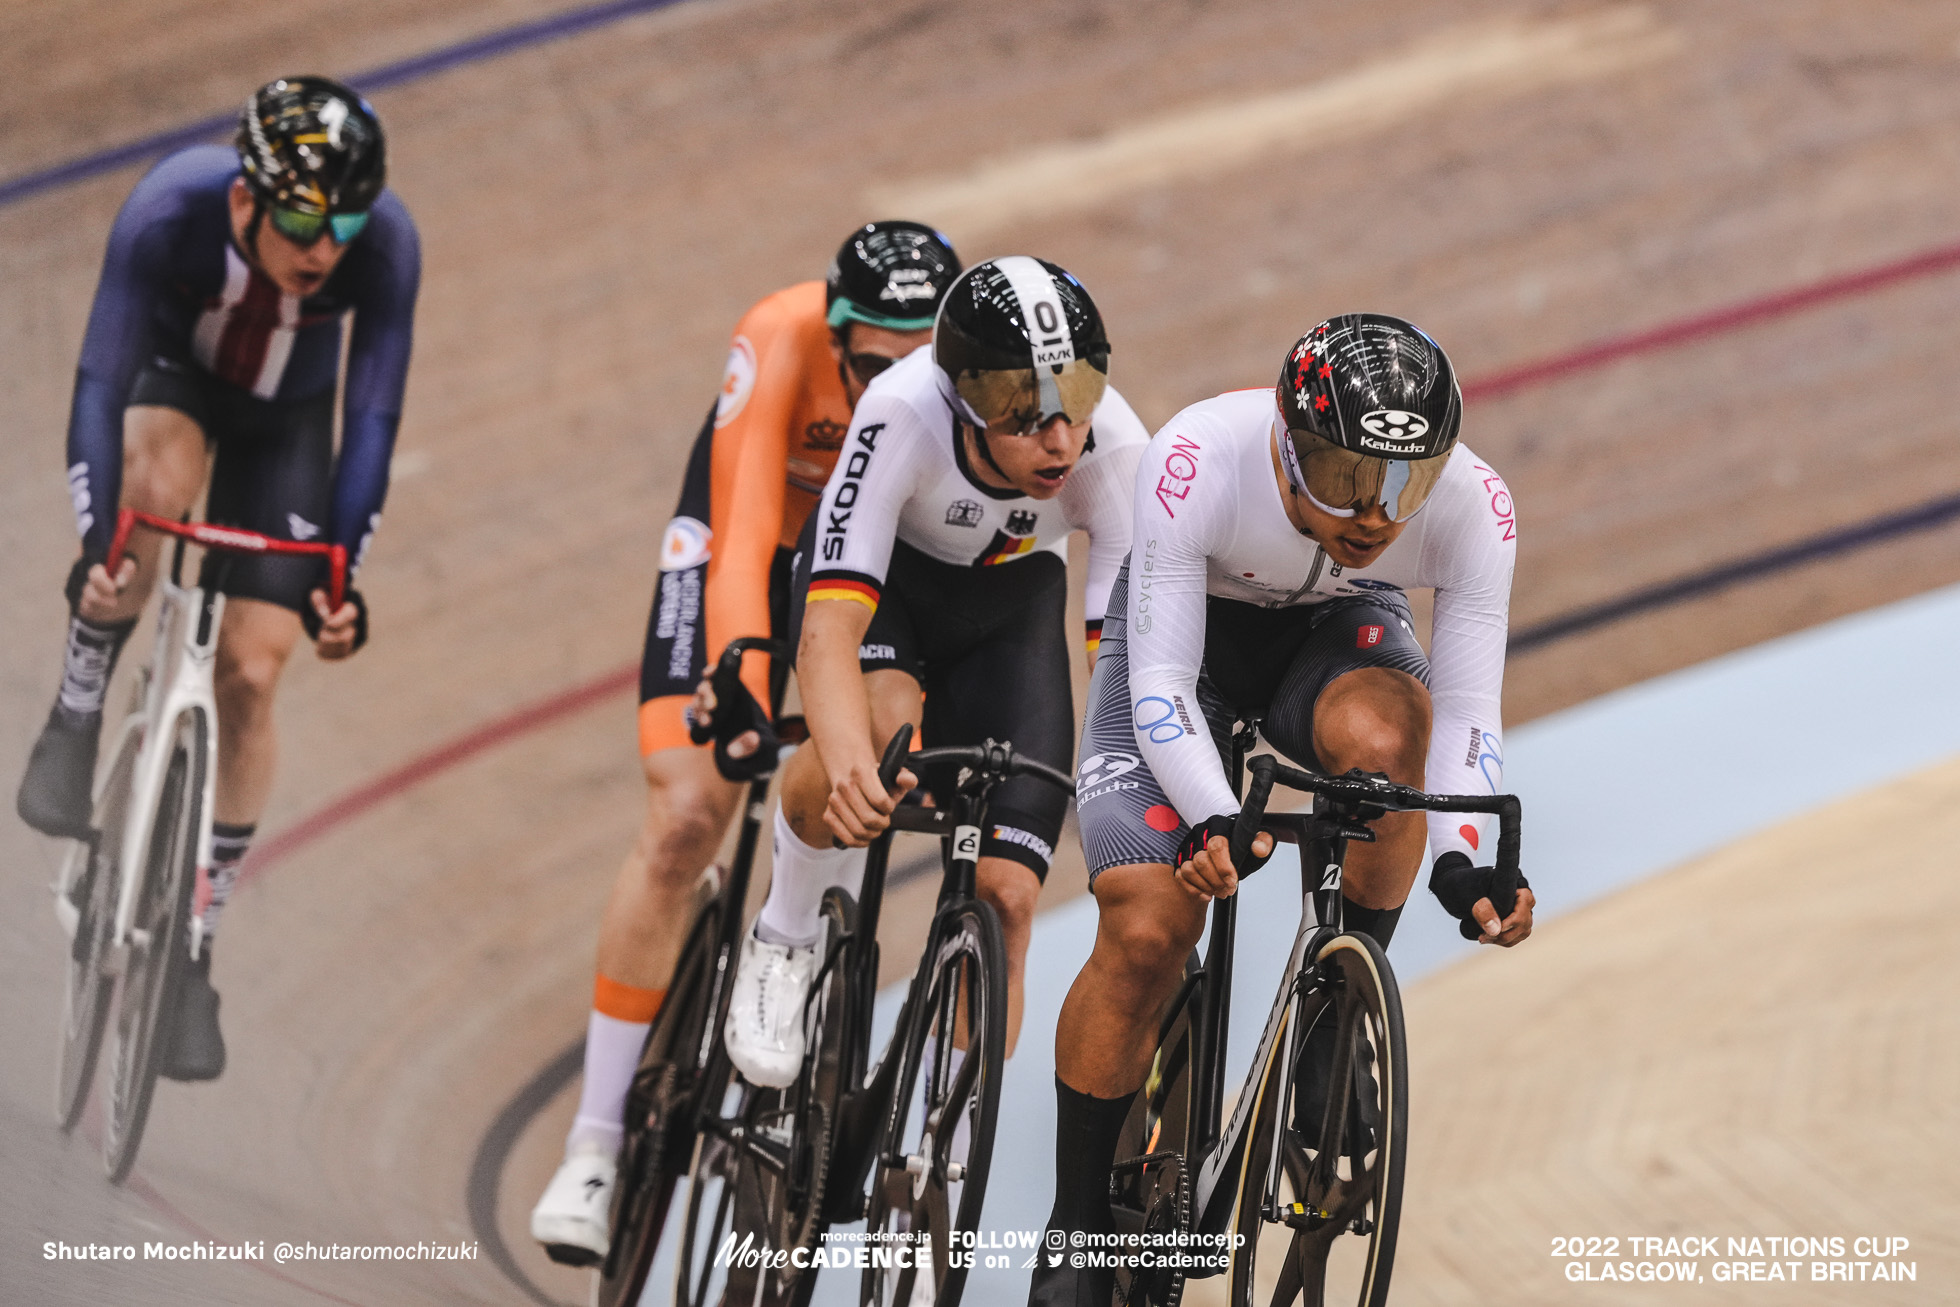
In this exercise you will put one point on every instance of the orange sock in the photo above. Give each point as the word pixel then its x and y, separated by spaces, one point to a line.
pixel 624 1002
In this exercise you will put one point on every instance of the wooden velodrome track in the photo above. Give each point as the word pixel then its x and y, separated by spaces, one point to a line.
pixel 597 211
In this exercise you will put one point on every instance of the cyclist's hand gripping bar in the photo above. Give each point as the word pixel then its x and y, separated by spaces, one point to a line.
pixel 736 712
pixel 233 540
pixel 989 763
pixel 1356 794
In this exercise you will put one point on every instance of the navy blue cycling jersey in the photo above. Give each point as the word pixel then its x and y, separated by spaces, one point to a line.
pixel 175 290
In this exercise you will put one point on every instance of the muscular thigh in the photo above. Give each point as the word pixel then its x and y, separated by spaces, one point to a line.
pixel 165 460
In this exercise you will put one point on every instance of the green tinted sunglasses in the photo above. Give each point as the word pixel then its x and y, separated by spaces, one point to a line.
pixel 305 228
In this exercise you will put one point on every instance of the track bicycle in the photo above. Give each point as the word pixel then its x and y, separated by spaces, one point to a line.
pixel 904 1143
pixel 125 895
pixel 1297 1198
pixel 683 1053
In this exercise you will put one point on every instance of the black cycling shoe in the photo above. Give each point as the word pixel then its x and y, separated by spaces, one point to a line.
pixel 55 795
pixel 196 1048
pixel 1310 1103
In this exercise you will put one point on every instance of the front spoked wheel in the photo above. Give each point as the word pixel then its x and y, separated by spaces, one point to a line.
pixel 92 889
pixel 159 950
pixel 1320 1194
pixel 930 1178
pixel 662 1107
pixel 761 1169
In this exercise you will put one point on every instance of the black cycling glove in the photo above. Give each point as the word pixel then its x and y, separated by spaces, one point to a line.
pixel 309 617
pixel 1459 885
pixel 737 711
pixel 1211 827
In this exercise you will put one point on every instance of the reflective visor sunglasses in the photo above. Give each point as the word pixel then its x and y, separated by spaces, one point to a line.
pixel 1342 482
pixel 305 228
pixel 1021 401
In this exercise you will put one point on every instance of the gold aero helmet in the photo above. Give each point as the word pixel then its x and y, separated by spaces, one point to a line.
pixel 1372 409
pixel 1019 342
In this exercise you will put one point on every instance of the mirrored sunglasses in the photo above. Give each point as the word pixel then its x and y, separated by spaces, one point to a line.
pixel 1021 401
pixel 305 228
pixel 1342 482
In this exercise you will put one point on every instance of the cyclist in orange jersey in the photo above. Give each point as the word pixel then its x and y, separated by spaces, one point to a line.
pixel 797 364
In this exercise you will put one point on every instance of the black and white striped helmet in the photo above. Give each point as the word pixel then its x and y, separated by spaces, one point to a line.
pixel 1020 341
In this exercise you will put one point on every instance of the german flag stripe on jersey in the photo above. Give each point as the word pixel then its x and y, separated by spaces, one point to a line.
pixel 1094 638
pixel 1006 548
pixel 855 586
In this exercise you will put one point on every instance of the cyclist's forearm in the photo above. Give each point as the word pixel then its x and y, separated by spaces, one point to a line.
pixel 834 701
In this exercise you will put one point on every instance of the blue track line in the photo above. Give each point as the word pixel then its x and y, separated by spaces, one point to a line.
pixel 520 37
pixel 1828 544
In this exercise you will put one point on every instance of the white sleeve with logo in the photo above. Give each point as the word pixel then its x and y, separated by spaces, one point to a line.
pixel 1096 499
pixel 857 521
pixel 1185 502
pixel 1468 556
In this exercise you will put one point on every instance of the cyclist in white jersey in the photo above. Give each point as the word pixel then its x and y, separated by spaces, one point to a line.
pixel 932 584
pixel 1276 533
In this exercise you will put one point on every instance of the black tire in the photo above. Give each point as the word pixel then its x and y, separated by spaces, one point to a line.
pixel 941 1183
pixel 1338 1194
pixel 88 988
pixel 662 1111
pixel 762 1177
pixel 146 996
pixel 1150 1186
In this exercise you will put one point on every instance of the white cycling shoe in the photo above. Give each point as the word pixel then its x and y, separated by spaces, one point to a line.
pixel 765 1012
pixel 574 1218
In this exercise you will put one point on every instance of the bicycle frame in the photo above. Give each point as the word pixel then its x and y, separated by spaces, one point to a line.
pixel 866 1113
pixel 1322 837
pixel 174 686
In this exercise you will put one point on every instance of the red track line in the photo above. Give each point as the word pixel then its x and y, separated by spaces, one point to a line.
pixel 436 761
pixel 546 711
pixel 1713 323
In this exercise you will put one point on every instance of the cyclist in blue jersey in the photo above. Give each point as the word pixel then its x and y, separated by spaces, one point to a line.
pixel 214 347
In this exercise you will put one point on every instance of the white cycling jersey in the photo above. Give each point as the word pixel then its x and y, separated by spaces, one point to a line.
pixel 902 475
pixel 1210 521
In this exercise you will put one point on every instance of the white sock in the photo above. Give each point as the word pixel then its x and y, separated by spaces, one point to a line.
pixel 612 1054
pixel 797 885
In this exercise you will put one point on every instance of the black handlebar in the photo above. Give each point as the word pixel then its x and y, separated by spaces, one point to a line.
pixel 998 761
pixel 894 760
pixel 729 690
pixel 1358 792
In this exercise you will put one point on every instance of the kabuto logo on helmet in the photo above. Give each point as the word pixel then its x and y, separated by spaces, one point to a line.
pixel 1395 424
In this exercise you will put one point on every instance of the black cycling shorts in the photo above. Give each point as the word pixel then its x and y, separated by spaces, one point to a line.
pixel 1272 662
pixel 676 654
pixel 990 647
pixel 272 472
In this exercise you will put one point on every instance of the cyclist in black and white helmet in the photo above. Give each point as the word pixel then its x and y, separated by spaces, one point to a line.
pixel 931 588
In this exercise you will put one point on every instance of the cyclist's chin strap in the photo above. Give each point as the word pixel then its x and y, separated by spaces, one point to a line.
pixel 986 451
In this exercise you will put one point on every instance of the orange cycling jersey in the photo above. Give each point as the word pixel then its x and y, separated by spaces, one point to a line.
pixel 778 423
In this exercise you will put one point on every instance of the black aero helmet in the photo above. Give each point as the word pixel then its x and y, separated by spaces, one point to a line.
pixel 1372 407
pixel 311 145
pixel 891 275
pixel 1020 341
